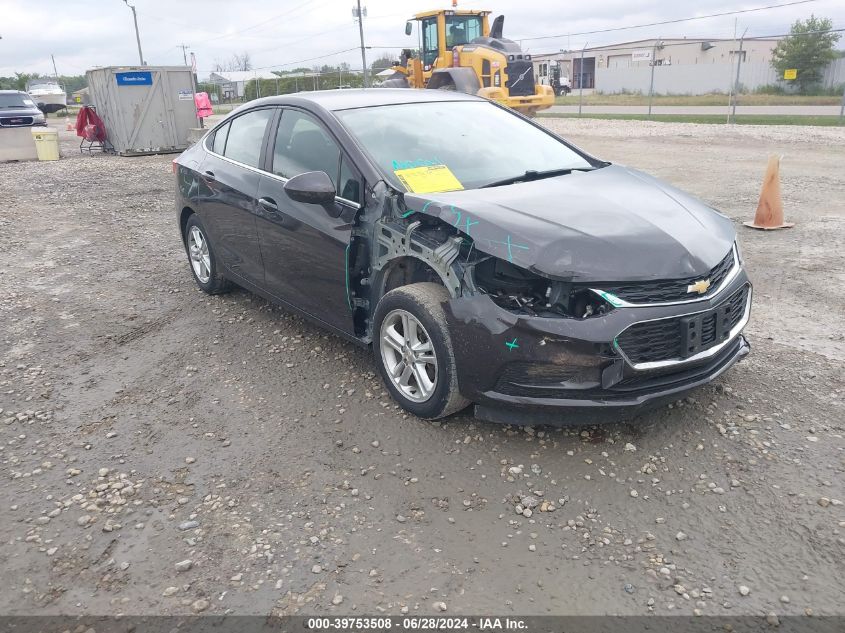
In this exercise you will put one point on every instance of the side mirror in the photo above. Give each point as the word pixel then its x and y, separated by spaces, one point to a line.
pixel 312 187
pixel 409 27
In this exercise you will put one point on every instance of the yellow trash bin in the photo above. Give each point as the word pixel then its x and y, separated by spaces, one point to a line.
pixel 46 142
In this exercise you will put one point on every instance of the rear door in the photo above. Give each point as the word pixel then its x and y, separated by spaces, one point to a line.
pixel 303 246
pixel 231 173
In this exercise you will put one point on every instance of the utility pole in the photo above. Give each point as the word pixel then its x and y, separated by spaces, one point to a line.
pixel 363 50
pixel 736 85
pixel 137 35
pixel 184 48
pixel 651 84
pixel 581 80
pixel 730 80
pixel 842 107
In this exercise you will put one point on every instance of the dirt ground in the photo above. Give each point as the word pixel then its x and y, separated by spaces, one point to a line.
pixel 168 452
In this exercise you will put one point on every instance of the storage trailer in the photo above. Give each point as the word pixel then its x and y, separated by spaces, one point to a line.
pixel 146 109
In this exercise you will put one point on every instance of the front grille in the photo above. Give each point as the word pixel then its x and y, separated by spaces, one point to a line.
pixel 671 289
pixel 673 375
pixel 683 336
pixel 520 78
pixel 15 121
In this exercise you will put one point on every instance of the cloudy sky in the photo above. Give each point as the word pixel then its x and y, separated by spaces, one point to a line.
pixel 277 34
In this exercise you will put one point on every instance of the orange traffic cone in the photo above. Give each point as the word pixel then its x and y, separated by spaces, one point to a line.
pixel 769 214
pixel 68 125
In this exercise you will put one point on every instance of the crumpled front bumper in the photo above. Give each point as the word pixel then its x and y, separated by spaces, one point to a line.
pixel 531 370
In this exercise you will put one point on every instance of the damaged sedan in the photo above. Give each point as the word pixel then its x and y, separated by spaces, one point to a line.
pixel 486 260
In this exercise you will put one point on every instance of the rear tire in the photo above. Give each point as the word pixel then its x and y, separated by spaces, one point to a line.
pixel 413 351
pixel 202 259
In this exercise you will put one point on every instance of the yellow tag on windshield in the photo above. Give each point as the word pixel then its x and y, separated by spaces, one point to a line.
pixel 428 179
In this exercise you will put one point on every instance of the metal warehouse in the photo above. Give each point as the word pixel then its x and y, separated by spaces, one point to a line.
pixel 686 65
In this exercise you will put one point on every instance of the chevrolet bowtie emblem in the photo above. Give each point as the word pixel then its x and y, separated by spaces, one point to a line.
pixel 699 287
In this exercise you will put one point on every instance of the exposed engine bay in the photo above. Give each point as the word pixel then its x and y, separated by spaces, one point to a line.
pixel 519 290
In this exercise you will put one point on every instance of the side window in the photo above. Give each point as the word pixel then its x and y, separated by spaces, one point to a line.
pixel 246 134
pixel 429 29
pixel 350 182
pixel 219 141
pixel 303 145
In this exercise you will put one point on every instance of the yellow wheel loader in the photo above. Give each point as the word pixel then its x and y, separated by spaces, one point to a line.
pixel 459 51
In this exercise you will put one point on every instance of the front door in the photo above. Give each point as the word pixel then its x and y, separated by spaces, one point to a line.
pixel 304 246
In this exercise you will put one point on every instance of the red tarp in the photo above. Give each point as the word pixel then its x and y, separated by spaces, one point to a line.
pixel 90 126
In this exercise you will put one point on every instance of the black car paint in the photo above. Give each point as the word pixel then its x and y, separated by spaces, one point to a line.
pixel 610 224
pixel 295 255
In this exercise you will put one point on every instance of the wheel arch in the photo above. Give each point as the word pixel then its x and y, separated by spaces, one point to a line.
pixel 184 215
pixel 401 255
pixel 464 79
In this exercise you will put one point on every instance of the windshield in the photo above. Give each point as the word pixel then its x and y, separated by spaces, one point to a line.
pixel 16 100
pixel 462 29
pixel 477 142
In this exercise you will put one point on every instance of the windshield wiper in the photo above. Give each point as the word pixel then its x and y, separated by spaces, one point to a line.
pixel 533 174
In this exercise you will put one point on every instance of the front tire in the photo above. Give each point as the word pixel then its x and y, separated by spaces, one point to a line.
pixel 413 351
pixel 202 260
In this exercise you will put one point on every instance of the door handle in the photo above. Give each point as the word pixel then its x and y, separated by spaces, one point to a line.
pixel 269 204
pixel 209 176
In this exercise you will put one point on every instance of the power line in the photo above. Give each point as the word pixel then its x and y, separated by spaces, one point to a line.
pixel 640 26
pixel 299 61
pixel 307 37
pixel 697 41
pixel 264 23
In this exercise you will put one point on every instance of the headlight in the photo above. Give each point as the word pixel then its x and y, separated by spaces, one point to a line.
pixel 39 118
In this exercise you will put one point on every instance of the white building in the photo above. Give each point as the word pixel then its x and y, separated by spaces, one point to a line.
pixel 682 66
pixel 233 83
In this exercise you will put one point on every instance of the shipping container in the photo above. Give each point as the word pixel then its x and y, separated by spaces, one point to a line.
pixel 146 109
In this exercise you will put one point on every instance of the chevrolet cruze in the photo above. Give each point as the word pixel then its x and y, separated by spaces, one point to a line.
pixel 486 260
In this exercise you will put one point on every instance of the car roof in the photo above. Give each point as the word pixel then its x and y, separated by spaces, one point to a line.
pixel 12 92
pixel 367 97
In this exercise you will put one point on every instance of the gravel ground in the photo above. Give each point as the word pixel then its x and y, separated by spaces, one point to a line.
pixel 168 452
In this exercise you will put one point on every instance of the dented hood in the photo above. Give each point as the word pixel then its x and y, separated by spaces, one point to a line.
pixel 610 224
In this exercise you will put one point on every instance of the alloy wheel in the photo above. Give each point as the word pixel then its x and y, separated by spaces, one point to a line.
pixel 198 252
pixel 408 355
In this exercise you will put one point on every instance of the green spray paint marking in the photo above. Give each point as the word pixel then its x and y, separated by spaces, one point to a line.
pixel 411 211
pixel 512 345
pixel 510 245
pixel 456 213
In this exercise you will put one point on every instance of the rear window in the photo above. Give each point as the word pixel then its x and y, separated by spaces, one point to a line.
pixel 246 135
